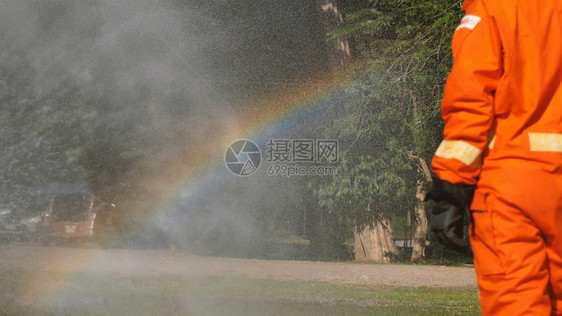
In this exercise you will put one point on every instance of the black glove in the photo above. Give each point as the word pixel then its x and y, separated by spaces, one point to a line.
pixel 452 204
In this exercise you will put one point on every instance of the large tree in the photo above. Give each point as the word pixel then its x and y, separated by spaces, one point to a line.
pixel 395 116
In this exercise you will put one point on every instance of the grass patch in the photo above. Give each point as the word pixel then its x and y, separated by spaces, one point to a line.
pixel 59 294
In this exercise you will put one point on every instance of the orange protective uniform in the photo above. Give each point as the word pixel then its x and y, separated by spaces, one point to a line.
pixel 502 108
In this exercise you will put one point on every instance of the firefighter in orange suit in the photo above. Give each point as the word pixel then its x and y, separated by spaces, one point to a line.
pixel 501 157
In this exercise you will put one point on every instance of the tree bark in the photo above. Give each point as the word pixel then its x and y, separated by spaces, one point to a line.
pixel 418 250
pixel 375 243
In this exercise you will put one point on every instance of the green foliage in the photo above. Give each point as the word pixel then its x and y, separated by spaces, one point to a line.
pixel 394 108
pixel 371 178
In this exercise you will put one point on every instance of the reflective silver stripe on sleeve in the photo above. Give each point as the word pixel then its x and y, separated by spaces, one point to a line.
pixel 492 142
pixel 462 151
pixel 545 142
pixel 469 21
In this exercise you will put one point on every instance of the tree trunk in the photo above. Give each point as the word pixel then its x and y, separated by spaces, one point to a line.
pixel 375 243
pixel 418 250
pixel 332 18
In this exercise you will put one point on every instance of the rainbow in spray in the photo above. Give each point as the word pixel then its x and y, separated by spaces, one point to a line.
pixel 193 178
pixel 297 105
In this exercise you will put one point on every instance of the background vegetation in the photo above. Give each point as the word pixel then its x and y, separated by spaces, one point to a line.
pixel 81 102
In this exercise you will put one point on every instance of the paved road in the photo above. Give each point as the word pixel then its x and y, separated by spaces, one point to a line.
pixel 125 262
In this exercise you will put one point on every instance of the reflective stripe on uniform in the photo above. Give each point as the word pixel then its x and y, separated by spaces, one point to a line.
pixel 469 21
pixel 545 142
pixel 458 149
pixel 492 142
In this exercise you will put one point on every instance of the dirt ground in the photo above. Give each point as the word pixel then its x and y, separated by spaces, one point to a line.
pixel 168 263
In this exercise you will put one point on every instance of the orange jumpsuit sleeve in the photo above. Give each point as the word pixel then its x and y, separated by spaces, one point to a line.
pixel 468 100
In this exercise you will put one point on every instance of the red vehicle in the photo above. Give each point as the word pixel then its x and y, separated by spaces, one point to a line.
pixel 70 216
